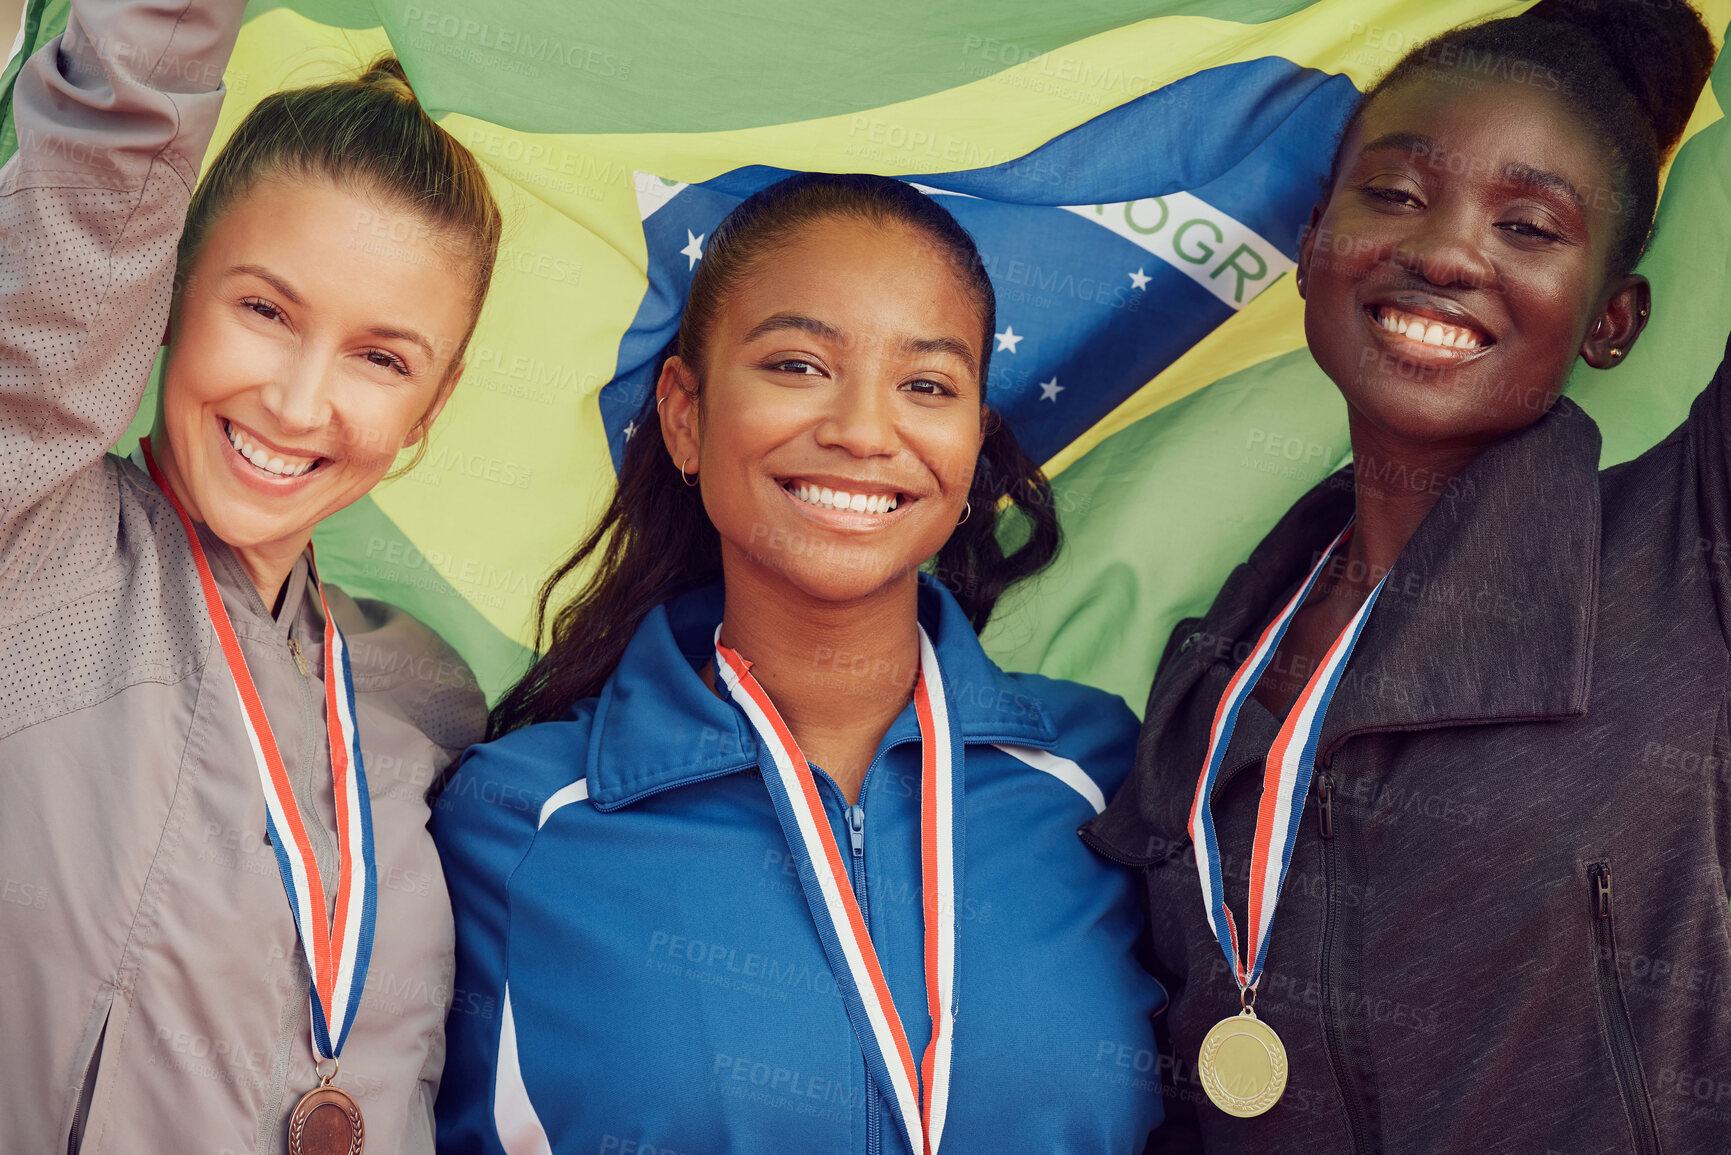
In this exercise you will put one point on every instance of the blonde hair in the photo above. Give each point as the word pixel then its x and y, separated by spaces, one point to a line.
pixel 368 133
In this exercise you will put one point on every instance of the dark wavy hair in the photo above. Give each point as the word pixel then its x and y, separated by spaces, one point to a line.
pixel 655 540
pixel 1632 69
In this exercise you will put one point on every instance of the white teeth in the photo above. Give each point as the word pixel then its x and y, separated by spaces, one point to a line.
pixel 1427 332
pixel 842 500
pixel 263 459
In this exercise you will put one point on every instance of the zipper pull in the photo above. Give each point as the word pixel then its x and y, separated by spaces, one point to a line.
pixel 1325 815
pixel 856 829
pixel 300 658
pixel 1602 889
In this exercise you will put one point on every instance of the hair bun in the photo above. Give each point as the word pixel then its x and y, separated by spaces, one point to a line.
pixel 386 75
pixel 1662 52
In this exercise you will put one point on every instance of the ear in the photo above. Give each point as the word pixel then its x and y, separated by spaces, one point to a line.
pixel 1307 244
pixel 420 428
pixel 676 404
pixel 1619 323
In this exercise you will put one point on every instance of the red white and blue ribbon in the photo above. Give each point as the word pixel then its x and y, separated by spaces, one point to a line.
pixel 1286 778
pixel 824 875
pixel 339 950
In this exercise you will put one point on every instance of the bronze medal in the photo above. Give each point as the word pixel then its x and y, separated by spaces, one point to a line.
pixel 1243 1065
pixel 326 1121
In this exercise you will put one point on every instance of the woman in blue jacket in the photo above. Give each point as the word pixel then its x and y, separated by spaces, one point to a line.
pixel 764 812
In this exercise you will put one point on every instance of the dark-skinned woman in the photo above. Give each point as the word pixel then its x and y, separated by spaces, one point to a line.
pixel 1431 807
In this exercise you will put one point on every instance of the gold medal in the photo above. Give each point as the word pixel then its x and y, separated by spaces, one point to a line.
pixel 327 1121
pixel 1243 1065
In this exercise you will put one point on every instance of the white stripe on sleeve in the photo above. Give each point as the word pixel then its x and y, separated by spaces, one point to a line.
pixel 514 1118
pixel 1062 769
pixel 564 796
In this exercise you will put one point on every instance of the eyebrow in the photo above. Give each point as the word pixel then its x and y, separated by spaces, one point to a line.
pixel 269 277
pixel 776 322
pixel 1404 141
pixel 916 345
pixel 949 345
pixel 1537 178
pixel 1515 172
pixel 383 331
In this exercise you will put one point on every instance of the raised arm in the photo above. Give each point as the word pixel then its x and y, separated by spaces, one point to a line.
pixel 112 118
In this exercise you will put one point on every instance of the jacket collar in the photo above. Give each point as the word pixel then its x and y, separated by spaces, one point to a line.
pixel 658 725
pixel 1487 615
pixel 247 612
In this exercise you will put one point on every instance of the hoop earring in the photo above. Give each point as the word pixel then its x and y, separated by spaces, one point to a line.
pixel 658 402
pixel 967 512
pixel 683 476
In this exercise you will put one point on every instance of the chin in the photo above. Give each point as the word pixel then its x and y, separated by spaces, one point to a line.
pixel 244 532
pixel 1442 413
pixel 836 572
pixel 245 521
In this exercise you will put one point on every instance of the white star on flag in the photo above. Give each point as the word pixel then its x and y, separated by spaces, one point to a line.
pixel 630 428
pixel 1008 339
pixel 1139 279
pixel 693 248
pixel 1049 390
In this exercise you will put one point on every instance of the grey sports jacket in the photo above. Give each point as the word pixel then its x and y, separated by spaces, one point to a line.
pixel 153 995
pixel 1505 929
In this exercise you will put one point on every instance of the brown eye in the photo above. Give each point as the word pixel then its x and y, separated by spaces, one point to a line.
pixel 387 360
pixel 1530 230
pixel 1393 196
pixel 929 388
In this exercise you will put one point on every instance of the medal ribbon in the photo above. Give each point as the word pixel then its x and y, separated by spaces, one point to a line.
pixel 1286 778
pixel 823 873
pixel 337 951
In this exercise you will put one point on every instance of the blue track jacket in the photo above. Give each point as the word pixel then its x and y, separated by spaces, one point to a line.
pixel 638 971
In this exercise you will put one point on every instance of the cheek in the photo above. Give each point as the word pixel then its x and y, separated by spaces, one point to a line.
pixel 376 420
pixel 1346 244
pixel 740 427
pixel 190 382
pixel 950 450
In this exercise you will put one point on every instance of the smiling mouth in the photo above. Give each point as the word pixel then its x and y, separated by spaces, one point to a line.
pixel 1429 331
pixel 840 499
pixel 267 463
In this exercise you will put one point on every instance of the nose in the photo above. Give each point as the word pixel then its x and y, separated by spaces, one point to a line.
pixel 861 419
pixel 1444 252
pixel 299 395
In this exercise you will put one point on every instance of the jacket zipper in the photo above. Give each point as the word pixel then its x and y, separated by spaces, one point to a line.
pixel 75 1139
pixel 1623 1057
pixel 301 663
pixel 856 840
pixel 1331 1013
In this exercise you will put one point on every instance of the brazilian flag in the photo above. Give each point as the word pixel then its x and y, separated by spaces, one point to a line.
pixel 1136 176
